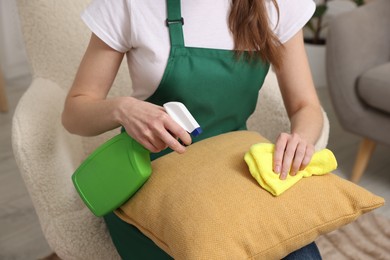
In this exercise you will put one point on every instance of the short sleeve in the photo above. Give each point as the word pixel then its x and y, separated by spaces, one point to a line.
pixel 293 15
pixel 111 22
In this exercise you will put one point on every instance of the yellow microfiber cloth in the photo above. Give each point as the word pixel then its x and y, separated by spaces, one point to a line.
pixel 260 161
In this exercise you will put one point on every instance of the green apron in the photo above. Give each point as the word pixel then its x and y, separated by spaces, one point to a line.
pixel 221 92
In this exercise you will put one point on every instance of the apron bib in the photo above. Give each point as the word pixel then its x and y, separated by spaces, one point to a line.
pixel 219 89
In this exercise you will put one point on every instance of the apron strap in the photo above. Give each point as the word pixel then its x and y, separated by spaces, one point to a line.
pixel 175 23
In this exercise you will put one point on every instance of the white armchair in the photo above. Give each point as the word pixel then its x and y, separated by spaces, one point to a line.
pixel 47 155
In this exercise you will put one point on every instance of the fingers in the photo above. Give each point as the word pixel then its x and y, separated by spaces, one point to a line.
pixel 172 132
pixel 298 158
pixel 280 147
pixel 151 142
pixel 284 154
pixel 163 133
pixel 291 155
pixel 307 158
pixel 153 128
pixel 177 131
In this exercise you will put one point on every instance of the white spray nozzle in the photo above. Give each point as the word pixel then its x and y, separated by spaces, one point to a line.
pixel 179 112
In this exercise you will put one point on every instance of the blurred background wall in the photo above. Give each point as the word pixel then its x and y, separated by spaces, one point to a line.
pixel 12 53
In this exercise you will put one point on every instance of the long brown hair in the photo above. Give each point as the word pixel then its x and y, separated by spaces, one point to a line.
pixel 249 24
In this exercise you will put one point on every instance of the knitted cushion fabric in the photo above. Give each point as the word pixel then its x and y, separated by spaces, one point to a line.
pixel 206 205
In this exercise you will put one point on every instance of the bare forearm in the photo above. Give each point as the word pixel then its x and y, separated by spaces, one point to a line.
pixel 307 122
pixel 89 112
pixel 299 94
pixel 88 117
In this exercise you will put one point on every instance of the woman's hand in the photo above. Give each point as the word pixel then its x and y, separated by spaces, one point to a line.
pixel 292 154
pixel 152 127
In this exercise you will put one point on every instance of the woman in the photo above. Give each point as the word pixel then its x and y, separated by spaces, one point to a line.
pixel 212 56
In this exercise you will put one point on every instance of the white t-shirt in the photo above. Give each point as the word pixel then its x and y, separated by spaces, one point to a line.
pixel 137 28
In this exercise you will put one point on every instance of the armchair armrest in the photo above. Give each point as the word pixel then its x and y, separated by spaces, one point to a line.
pixel 47 155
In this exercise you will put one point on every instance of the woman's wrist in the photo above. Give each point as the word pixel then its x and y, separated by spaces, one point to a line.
pixel 308 124
pixel 122 109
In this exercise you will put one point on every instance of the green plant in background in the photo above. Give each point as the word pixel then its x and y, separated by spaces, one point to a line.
pixel 316 23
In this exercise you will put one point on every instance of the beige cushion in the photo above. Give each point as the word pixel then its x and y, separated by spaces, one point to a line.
pixel 374 87
pixel 206 205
